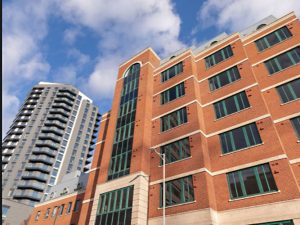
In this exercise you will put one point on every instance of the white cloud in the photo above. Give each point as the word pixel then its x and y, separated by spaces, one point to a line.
pixel 24 26
pixel 71 34
pixel 124 29
pixel 236 15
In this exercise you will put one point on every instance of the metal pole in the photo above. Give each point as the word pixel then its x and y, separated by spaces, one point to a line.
pixel 163 157
pixel 164 189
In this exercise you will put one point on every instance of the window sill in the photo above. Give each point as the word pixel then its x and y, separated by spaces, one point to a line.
pixel 162 82
pixel 180 204
pixel 162 132
pixel 232 114
pixel 176 161
pixel 253 196
pixel 172 100
pixel 262 51
pixel 218 62
pixel 282 104
pixel 226 85
pixel 298 141
pixel 270 75
pixel 242 149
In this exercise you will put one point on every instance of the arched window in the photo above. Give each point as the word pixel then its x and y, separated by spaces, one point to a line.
pixel 133 69
pixel 261 26
pixel 172 57
pixel 214 42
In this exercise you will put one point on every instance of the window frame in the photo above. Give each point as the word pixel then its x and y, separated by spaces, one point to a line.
pixel 182 193
pixel 221 107
pixel 296 125
pixel 165 96
pixel 179 117
pixel 280 90
pixel 165 75
pixel 227 138
pixel 211 60
pixel 183 153
pixel 258 180
pixel 232 74
pixel 264 40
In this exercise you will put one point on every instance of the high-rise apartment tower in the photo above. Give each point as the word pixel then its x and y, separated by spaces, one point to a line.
pixel 52 135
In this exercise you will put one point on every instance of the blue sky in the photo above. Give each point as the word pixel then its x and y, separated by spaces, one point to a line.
pixel 83 42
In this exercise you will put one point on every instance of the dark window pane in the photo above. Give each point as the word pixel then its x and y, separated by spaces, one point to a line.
pixel 251 181
pixel 218 56
pixel 296 125
pixel 289 91
pixel 171 72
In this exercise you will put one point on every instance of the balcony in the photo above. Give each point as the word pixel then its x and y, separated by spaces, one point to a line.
pixel 55 123
pixel 28 194
pixel 47 143
pixel 20 124
pixel 54 130
pixel 22 119
pixel 38 167
pixel 44 151
pixel 28 184
pixel 50 136
pixel 62 106
pixel 13 137
pixel 9 144
pixel 63 100
pixel 66 95
pixel 57 117
pixel 17 131
pixel 7 152
pixel 29 107
pixel 5 160
pixel 67 91
pixel 42 158
pixel 25 112
pixel 59 111
pixel 35 176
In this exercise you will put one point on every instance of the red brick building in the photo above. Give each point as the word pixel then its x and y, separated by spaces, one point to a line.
pixel 227 117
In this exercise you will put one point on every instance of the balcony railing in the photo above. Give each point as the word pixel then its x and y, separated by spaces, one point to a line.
pixel 50 136
pixel 28 194
pixel 38 167
pixel 29 184
pixel 35 176
pixel 47 143
pixel 42 158
pixel 44 151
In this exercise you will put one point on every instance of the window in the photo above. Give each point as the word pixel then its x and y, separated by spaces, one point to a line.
pixel 289 91
pixel 171 72
pixel 224 78
pixel 251 181
pixel 115 207
pixel 273 38
pixel 5 209
pixel 240 138
pixel 47 213
pixel 37 216
pixel 61 209
pixel 69 207
pixel 283 60
pixel 231 105
pixel 218 56
pixel 176 150
pixel 296 124
pixel 284 222
pixel 173 119
pixel 122 146
pixel 172 93
pixel 54 211
pixel 178 191
pixel 77 204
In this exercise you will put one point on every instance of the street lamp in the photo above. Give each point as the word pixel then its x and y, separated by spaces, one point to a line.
pixel 163 157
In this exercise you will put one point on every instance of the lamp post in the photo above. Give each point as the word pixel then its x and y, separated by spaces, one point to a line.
pixel 163 157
